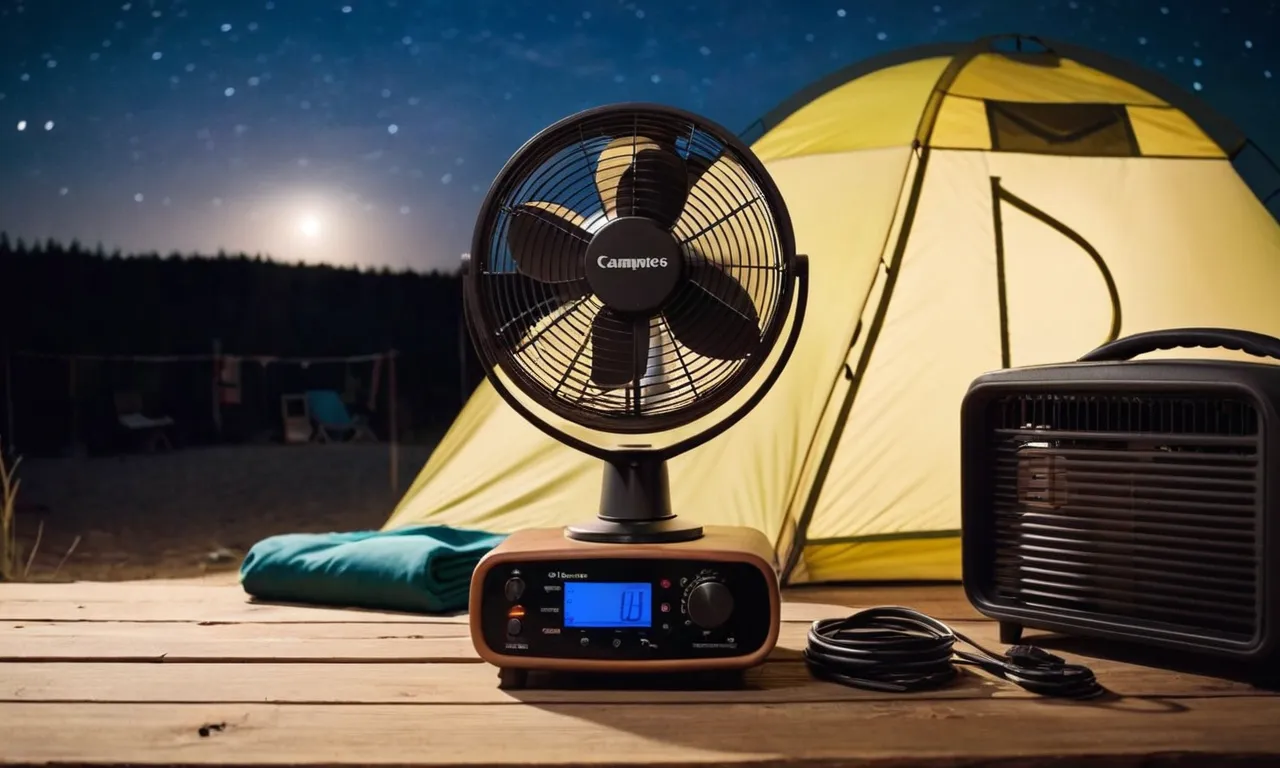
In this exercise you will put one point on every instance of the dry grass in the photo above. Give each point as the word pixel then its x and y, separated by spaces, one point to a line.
pixel 10 548
pixel 9 484
pixel 193 513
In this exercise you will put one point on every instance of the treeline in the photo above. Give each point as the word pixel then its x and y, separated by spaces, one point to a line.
pixel 65 300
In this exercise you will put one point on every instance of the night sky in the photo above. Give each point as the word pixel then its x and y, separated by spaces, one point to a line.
pixel 367 131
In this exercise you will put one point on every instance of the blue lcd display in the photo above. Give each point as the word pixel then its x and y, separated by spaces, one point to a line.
pixel 608 604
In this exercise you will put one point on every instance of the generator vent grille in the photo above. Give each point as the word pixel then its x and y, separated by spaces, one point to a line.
pixel 1129 509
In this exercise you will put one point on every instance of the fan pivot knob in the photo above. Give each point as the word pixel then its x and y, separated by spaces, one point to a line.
pixel 709 603
pixel 633 265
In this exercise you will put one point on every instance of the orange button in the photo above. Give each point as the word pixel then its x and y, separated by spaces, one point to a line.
pixel 516 611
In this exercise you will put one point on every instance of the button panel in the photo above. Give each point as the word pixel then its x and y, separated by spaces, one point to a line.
pixel 730 610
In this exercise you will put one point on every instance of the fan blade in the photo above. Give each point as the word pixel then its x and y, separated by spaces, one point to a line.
pixel 697 165
pixel 656 186
pixel 723 191
pixel 548 243
pixel 613 162
pixel 613 351
pixel 713 315
pixel 697 161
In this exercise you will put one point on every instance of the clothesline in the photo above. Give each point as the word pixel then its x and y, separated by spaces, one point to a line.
pixel 209 357
pixel 226 388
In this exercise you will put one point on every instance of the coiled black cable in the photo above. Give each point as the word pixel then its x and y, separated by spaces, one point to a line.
pixel 902 650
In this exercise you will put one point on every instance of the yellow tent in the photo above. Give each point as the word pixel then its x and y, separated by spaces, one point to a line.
pixel 964 208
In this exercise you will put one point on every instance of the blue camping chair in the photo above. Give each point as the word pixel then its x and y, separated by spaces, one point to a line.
pixel 331 419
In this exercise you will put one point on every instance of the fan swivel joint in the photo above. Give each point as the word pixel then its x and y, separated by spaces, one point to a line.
pixel 633 265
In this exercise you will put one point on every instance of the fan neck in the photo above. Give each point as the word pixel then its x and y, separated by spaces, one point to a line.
pixel 635 505
pixel 637 489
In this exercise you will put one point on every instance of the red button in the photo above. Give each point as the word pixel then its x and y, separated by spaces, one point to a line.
pixel 665 583
pixel 666 607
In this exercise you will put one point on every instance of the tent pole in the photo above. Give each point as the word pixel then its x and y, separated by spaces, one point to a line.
pixel 8 400
pixel 71 397
pixel 462 359
pixel 392 428
pixel 217 394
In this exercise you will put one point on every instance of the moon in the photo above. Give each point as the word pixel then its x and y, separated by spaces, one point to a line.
pixel 309 226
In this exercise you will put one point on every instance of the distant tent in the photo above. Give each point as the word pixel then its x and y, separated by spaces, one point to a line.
pixel 964 208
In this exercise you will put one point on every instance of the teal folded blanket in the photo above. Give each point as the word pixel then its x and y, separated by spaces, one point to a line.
pixel 420 569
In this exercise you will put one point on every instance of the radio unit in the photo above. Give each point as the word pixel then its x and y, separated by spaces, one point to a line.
pixel 543 601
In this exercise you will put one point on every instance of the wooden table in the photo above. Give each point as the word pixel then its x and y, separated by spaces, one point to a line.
pixel 94 673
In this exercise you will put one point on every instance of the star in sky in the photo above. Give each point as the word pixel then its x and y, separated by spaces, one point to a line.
pixel 367 132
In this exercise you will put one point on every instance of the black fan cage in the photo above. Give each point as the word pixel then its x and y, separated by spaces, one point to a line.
pixel 540 323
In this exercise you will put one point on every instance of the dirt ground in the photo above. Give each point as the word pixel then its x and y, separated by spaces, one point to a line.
pixel 194 513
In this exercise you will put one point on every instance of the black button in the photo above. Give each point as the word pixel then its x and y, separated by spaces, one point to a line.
pixel 513 589
pixel 514 626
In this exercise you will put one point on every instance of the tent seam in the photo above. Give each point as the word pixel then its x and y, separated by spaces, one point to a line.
pixel 921 144
pixel 1125 104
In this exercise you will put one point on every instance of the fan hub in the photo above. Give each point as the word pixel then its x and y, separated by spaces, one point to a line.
pixel 633 265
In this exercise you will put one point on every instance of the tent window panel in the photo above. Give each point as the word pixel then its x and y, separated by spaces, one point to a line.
pixel 1097 130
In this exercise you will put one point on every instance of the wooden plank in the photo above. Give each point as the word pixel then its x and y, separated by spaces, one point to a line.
pixel 267 641
pixel 934 596
pixel 187 641
pixel 975 732
pixel 311 683
pixel 97 601
pixel 945 602
pixel 399 683
pixel 254 642
pixel 122 591
pixel 61 646
pixel 217 612
pixel 210 611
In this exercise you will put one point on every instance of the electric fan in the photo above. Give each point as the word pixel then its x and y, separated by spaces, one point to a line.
pixel 632 271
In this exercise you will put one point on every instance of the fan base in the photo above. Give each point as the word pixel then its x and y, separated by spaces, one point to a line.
pixel 667 530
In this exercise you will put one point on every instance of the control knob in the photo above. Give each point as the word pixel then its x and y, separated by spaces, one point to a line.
pixel 708 602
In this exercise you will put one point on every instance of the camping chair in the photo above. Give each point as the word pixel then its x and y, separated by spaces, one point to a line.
pixel 332 420
pixel 154 432
pixel 296 419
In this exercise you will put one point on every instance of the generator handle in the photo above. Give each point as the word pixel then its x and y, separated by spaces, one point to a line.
pixel 1128 347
